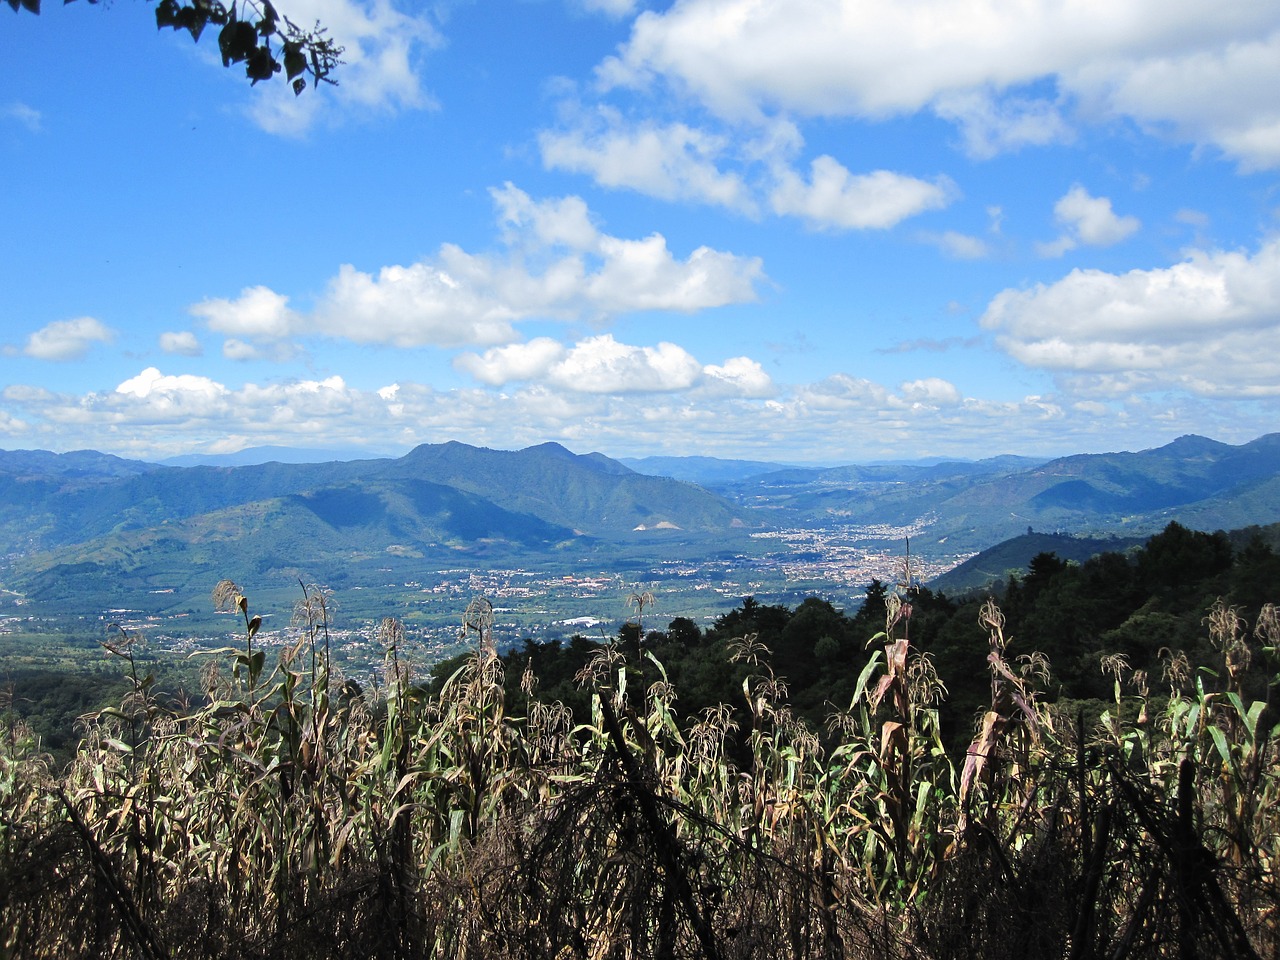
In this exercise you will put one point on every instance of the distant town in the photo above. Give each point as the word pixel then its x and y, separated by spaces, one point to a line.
pixel 540 605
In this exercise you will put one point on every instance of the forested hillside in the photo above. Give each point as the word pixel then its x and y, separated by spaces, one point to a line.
pixel 1148 607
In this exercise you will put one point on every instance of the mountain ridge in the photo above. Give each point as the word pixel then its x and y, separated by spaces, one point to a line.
pixel 125 521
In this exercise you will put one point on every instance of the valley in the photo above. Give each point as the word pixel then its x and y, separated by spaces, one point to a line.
pixel 557 541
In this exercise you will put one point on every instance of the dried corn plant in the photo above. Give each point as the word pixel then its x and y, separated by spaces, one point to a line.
pixel 297 813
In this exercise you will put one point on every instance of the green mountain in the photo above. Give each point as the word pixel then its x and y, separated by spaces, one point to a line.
pixel 589 493
pixel 103 527
pixel 1198 482
pixel 93 523
pixel 1013 556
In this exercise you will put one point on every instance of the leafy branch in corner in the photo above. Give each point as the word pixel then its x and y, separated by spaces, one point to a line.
pixel 255 35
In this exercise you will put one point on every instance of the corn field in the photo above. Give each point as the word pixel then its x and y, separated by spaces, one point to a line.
pixel 294 813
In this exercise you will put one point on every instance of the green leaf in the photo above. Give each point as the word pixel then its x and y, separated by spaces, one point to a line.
pixel 863 677
pixel 1252 716
pixel 1220 741
pixel 167 14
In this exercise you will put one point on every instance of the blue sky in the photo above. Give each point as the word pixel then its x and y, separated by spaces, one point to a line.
pixel 808 230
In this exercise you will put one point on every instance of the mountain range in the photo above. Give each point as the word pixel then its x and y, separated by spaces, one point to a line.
pixel 1196 481
pixel 86 520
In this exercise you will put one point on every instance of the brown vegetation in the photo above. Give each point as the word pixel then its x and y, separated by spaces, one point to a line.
pixel 295 814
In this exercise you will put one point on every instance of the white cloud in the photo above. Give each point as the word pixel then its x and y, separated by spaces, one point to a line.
pixel 1204 71
pixel 638 408
pixel 1208 324
pixel 614 8
pixel 183 343
pixel 67 339
pixel 603 365
pixel 739 376
pixel 518 361
pixel 931 391
pixel 558 265
pixel 961 246
pixel 235 349
pixel 842 392
pixel 29 117
pixel 382 47
pixel 674 161
pixel 1088 220
pixel 459 299
pixel 835 198
pixel 595 365
pixel 670 161
pixel 991 126
pixel 1212 92
pixel 169 395
pixel 535 224
pixel 259 312
pixel 643 275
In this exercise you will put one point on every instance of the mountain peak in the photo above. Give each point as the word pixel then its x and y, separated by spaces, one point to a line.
pixel 551 447
pixel 1194 445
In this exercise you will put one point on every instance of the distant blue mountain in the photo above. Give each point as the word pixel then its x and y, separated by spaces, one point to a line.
pixel 251 456
pixel 707 471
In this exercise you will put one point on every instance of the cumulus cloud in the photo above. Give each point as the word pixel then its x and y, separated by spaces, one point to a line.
pixel 932 391
pixel 603 365
pixel 518 361
pixel 671 161
pixel 182 343
pixel 1214 91
pixel 258 312
pixel 739 376
pixel 844 415
pixel 459 299
pixel 833 197
pixel 557 265
pixel 67 339
pixel 1088 220
pixel 1207 324
pixel 535 224
pixel 1201 71
pixel 382 50
pixel 156 402
pixel 169 391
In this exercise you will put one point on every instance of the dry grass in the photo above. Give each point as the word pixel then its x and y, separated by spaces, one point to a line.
pixel 296 815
